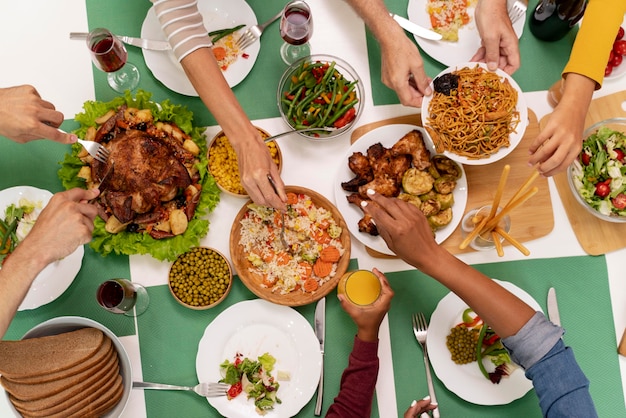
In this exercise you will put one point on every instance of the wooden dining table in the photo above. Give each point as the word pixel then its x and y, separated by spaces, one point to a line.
pixel 162 343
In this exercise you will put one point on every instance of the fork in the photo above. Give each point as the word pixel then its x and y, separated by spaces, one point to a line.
pixel 207 390
pixel 283 240
pixel 254 32
pixel 517 11
pixel 420 329
pixel 96 150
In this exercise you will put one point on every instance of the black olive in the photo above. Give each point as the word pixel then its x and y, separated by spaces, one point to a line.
pixel 446 83
pixel 180 200
pixel 132 227
pixel 106 138
pixel 141 126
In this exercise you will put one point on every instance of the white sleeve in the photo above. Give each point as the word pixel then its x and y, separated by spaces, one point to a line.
pixel 182 23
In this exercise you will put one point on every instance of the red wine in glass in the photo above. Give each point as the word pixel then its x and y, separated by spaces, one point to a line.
pixel 296 28
pixel 121 296
pixel 109 55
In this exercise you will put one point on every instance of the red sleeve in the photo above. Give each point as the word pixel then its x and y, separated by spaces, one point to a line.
pixel 358 382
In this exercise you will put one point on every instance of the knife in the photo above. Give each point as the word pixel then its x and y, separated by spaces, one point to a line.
pixel 553 307
pixel 138 42
pixel 320 329
pixel 415 29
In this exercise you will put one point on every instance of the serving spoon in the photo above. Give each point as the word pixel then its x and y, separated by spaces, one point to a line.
pixel 273 137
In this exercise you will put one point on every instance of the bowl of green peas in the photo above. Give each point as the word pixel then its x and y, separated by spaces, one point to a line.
pixel 201 278
pixel 320 91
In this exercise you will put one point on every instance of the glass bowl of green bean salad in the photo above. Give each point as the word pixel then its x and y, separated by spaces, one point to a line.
pixel 320 91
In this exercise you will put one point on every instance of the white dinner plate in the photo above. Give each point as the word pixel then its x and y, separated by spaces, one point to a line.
pixel 388 135
pixel 450 53
pixel 53 280
pixel 217 14
pixel 514 139
pixel 466 380
pixel 252 328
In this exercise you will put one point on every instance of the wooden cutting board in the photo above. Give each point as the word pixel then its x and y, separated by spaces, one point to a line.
pixel 594 235
pixel 531 220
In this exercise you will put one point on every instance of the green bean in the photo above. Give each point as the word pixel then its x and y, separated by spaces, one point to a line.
pixel 293 103
pixel 216 35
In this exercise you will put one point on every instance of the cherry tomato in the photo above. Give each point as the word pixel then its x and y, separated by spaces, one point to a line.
pixel 608 70
pixel 603 189
pixel 234 390
pixel 620 33
pixel 619 201
pixel 585 158
pixel 616 60
pixel 619 47
pixel 620 155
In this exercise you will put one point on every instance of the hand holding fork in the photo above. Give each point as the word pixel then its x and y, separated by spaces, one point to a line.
pixel 420 329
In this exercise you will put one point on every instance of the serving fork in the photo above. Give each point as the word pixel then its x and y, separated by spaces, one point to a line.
pixel 420 329
pixel 95 149
pixel 253 33
pixel 283 240
pixel 207 390
pixel 517 10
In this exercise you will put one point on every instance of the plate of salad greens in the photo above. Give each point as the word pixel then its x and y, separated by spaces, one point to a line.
pixel 272 346
pixel 467 380
pixel 597 178
pixel 139 241
pixel 19 208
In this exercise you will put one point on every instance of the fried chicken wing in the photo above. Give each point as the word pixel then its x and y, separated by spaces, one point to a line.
pixel 365 224
pixel 413 144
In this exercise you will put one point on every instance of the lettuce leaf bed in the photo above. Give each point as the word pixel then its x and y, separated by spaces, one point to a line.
pixel 142 243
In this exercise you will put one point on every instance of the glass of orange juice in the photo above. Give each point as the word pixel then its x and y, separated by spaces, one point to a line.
pixel 361 287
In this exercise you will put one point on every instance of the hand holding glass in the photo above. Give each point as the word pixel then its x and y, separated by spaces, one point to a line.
pixel 121 296
pixel 109 55
pixel 296 28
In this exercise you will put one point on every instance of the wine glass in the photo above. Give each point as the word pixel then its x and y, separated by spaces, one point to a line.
pixel 109 55
pixel 296 28
pixel 121 296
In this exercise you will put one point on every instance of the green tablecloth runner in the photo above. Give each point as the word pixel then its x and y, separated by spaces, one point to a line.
pixel 542 62
pixel 169 336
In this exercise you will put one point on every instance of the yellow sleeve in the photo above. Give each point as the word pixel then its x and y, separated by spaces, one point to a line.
pixel 590 53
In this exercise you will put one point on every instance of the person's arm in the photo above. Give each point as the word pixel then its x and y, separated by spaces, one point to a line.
pixel 534 342
pixel 499 43
pixel 65 223
pixel 182 23
pixel 560 142
pixel 402 65
pixel 25 116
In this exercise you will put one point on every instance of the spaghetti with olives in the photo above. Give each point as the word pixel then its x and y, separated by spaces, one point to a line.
pixel 476 118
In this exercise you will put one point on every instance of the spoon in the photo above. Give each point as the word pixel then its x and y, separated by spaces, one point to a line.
pixel 273 137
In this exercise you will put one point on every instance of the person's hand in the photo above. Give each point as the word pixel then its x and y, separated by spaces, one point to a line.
pixel 25 116
pixel 499 43
pixel 368 319
pixel 420 408
pixel 65 223
pixel 402 67
pixel 404 228
pixel 255 168
pixel 560 141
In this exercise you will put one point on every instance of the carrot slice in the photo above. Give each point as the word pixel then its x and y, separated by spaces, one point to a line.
pixel 292 198
pixel 269 281
pixel 322 268
pixel 310 285
pixel 306 268
pixel 321 237
pixel 219 52
pixel 330 254
pixel 282 258
pixel 268 255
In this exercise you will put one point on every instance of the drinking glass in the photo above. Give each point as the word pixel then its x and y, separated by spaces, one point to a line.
pixel 360 287
pixel 482 241
pixel 123 296
pixel 109 55
pixel 296 28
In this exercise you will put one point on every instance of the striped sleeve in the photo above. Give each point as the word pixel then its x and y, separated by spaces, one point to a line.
pixel 182 23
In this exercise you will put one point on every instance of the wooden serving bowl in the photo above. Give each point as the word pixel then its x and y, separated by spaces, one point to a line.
pixel 296 298
pixel 222 187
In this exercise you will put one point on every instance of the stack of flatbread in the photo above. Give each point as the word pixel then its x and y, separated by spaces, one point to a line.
pixel 74 374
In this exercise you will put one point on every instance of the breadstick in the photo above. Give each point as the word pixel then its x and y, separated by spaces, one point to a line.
pixel 496 199
pixel 509 207
pixel 473 234
pixel 524 186
pixel 512 241
pixel 497 243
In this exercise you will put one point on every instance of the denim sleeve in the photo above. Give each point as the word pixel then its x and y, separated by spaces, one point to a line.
pixel 533 340
pixel 559 382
